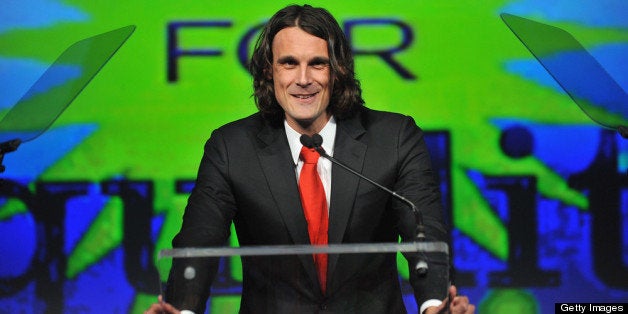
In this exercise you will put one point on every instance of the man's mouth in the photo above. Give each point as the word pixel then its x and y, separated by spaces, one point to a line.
pixel 304 96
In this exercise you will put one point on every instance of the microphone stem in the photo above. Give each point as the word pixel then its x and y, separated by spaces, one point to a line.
pixel 419 232
pixel 421 265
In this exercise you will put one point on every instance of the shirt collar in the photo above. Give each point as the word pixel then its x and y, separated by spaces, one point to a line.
pixel 328 133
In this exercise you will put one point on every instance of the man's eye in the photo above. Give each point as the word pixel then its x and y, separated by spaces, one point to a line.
pixel 289 64
pixel 320 65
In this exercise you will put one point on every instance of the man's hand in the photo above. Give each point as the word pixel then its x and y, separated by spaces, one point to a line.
pixel 458 304
pixel 161 307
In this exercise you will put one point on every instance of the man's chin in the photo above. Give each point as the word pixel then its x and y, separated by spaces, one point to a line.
pixel 305 123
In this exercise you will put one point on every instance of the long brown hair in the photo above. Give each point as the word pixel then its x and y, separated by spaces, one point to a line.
pixel 346 96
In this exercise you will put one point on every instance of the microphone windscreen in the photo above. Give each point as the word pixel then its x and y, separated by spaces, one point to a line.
pixel 306 141
pixel 317 140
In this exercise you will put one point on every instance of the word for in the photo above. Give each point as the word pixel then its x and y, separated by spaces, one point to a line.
pixel 386 54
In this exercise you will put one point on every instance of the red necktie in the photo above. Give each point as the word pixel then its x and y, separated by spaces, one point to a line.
pixel 315 208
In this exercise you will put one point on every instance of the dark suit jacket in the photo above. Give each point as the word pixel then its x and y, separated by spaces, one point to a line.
pixel 247 176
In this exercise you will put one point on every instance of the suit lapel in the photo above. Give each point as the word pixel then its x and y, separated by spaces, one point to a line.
pixel 349 151
pixel 278 167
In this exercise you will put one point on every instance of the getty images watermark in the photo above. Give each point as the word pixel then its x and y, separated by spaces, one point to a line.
pixel 590 307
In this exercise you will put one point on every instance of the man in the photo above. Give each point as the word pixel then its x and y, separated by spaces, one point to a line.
pixel 251 174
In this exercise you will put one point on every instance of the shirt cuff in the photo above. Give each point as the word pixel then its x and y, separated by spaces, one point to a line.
pixel 425 305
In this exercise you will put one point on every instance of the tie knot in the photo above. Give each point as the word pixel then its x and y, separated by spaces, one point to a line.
pixel 309 155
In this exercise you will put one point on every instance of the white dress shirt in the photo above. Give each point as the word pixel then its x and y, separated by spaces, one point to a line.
pixel 328 133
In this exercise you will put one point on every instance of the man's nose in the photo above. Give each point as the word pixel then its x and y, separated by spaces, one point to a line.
pixel 304 76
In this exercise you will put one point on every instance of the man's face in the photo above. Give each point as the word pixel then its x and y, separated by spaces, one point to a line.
pixel 301 77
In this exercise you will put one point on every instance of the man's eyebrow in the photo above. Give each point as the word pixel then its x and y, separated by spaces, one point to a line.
pixel 286 59
pixel 319 60
pixel 292 59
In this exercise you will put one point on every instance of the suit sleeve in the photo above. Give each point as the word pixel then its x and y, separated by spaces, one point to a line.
pixel 417 181
pixel 206 222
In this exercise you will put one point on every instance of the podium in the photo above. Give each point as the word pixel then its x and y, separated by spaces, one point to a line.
pixel 280 262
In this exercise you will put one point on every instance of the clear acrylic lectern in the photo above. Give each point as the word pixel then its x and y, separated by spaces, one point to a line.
pixel 227 285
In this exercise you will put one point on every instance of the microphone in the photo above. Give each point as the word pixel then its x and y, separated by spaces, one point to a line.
pixel 316 142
